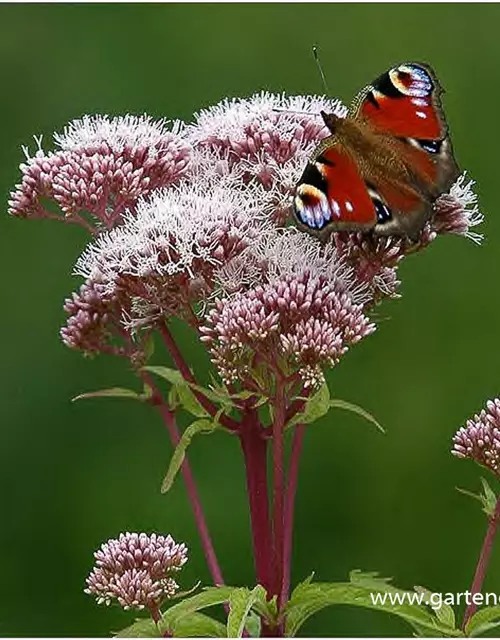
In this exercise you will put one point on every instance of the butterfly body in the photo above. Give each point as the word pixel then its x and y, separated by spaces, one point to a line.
pixel 385 164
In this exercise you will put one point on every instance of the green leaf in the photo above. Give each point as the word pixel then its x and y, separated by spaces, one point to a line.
pixel 183 394
pixel 444 612
pixel 354 408
pixel 143 628
pixel 196 625
pixel 198 426
pixel 482 621
pixel 365 590
pixel 487 498
pixel 240 604
pixel 170 375
pixel 253 625
pixel 209 597
pixel 190 402
pixel 315 407
pixel 113 392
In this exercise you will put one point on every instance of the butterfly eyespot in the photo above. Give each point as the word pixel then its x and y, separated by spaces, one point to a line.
pixel 411 80
pixel 311 206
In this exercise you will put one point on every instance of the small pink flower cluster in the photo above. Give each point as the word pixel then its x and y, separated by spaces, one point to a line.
pixel 103 166
pixel 135 570
pixel 479 440
pixel 303 320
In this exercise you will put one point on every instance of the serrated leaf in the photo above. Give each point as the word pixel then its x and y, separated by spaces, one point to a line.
pixel 444 613
pixel 143 628
pixel 113 392
pixel 315 407
pixel 240 605
pixel 196 625
pixel 308 599
pixel 482 621
pixel 336 403
pixel 197 427
pixel 209 597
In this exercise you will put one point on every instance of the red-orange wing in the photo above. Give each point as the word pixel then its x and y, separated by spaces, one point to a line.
pixel 332 195
pixel 404 101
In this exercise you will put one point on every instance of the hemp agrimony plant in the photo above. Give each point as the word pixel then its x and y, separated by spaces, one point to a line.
pixel 190 221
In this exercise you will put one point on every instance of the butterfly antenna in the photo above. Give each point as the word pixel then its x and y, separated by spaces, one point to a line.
pixel 320 69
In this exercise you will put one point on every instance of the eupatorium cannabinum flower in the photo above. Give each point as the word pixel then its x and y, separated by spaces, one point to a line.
pixel 479 440
pixel 209 245
pixel 102 167
pixel 136 569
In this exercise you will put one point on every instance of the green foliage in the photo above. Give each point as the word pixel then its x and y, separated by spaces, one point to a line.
pixel 209 597
pixel 142 628
pixel 308 598
pixel 444 613
pixel 487 498
pixel 180 393
pixel 320 403
pixel 190 626
pixel 484 620
pixel 114 392
pixel 240 604
pixel 197 427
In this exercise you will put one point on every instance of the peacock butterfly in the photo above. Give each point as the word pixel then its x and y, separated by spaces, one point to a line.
pixel 385 164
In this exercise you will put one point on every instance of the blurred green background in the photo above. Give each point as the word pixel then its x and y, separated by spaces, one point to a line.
pixel 72 475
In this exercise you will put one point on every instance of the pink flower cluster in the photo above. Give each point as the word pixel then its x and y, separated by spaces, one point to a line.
pixel 135 570
pixel 302 322
pixel 103 166
pixel 194 218
pixel 479 440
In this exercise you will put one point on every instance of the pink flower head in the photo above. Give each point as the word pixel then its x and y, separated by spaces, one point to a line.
pixel 267 138
pixel 305 313
pixel 136 569
pixel 95 319
pixel 102 167
pixel 479 440
pixel 163 258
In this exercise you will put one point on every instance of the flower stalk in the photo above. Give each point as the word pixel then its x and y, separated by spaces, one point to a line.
pixel 483 561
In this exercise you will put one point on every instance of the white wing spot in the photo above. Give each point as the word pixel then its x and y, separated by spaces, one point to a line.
pixel 349 207
pixel 421 114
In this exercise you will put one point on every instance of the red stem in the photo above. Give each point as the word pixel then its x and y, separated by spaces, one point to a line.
pixel 291 490
pixel 206 541
pixel 483 561
pixel 254 447
pixel 194 498
pixel 278 482
pixel 186 373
